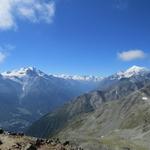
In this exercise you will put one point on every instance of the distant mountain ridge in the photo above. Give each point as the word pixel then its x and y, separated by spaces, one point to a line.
pixel 22 72
pixel 29 93
pixel 80 78
pixel 131 72
pixel 134 74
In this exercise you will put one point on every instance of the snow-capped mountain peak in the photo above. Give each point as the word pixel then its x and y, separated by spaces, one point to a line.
pixel 22 72
pixel 29 72
pixel 133 71
pixel 137 69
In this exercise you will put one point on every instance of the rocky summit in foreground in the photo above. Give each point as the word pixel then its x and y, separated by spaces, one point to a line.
pixel 18 141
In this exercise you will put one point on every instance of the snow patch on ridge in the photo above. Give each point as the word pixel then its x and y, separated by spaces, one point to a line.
pixel 144 98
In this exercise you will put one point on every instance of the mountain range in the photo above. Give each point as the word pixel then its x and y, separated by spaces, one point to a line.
pixel 115 116
pixel 28 93
pixel 110 113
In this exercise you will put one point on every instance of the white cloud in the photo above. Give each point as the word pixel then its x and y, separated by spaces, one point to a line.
pixel 32 10
pixel 131 55
pixel 5 51
pixel 2 57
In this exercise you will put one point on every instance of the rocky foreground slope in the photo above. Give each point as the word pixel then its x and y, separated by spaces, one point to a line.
pixel 14 141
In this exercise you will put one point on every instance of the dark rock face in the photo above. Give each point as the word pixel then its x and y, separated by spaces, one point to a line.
pixel 1 142
pixel 1 131
pixel 31 147
pixel 126 148
pixel 66 143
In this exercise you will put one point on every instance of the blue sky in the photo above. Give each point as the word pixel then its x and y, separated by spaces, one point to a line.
pixel 93 37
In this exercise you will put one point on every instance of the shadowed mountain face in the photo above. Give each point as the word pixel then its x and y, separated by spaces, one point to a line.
pixel 83 104
pixel 28 93
pixel 116 117
pixel 114 125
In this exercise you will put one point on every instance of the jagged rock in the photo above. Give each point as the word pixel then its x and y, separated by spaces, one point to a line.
pixel 1 142
pixel 1 131
pixel 20 134
pixel 13 133
pixel 126 148
pixel 66 143
pixel 40 142
pixel 31 147
pixel 17 146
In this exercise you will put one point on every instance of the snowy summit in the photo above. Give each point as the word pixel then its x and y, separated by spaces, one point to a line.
pixel 22 72
pixel 131 72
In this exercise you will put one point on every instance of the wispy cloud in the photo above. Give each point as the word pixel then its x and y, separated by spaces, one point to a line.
pixel 5 52
pixel 131 55
pixel 121 4
pixel 31 10
pixel 2 57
